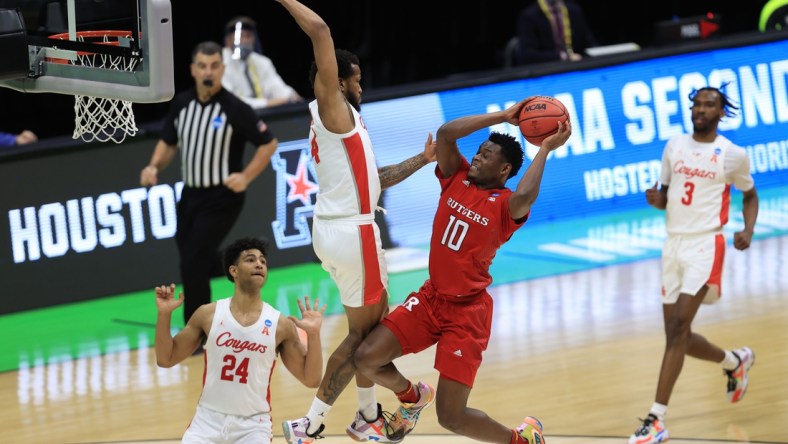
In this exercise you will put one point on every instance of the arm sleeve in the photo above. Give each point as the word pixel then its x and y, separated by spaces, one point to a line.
pixel 532 31
pixel 7 139
pixel 253 128
pixel 585 37
pixel 169 131
pixel 274 87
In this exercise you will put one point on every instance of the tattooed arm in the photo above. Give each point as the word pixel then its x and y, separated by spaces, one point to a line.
pixel 394 174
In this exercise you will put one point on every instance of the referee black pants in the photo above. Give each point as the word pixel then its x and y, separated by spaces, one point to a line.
pixel 205 216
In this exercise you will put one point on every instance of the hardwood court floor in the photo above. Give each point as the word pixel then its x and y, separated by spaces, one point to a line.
pixel 581 351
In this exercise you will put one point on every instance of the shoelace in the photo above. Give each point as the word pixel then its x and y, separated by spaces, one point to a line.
pixel 317 434
pixel 388 417
pixel 731 380
pixel 644 429
pixel 730 373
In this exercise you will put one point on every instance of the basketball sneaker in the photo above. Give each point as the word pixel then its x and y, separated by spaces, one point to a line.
pixel 652 431
pixel 362 430
pixel 531 430
pixel 406 416
pixel 295 431
pixel 737 378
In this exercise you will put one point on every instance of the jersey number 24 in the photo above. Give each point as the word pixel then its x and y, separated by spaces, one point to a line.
pixel 232 368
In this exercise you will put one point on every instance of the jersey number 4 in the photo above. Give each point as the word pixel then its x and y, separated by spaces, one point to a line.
pixel 232 368
pixel 455 233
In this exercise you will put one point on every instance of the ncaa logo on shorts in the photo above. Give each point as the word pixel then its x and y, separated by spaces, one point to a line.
pixel 296 193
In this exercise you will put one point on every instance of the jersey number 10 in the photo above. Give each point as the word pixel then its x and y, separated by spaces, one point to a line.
pixel 454 233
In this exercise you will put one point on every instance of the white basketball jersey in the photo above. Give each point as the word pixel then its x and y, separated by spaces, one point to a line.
pixel 699 176
pixel 346 170
pixel 239 361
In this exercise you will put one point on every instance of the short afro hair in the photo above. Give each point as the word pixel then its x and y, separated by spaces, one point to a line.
pixel 511 150
pixel 233 252
pixel 345 62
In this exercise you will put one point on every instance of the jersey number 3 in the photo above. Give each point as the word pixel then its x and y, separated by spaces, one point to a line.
pixel 230 370
pixel 455 233
pixel 689 188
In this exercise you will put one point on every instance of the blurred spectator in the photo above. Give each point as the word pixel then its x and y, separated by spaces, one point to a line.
pixel 550 30
pixel 23 138
pixel 249 74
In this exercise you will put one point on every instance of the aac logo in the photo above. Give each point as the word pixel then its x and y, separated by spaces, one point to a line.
pixel 296 193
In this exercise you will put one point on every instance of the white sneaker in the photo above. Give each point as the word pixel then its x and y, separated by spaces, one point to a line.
pixel 295 431
pixel 362 430
pixel 738 378
pixel 652 431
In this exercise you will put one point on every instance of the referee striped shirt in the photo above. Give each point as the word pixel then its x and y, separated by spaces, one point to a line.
pixel 212 135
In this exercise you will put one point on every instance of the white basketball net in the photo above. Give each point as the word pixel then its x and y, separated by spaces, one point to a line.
pixel 100 118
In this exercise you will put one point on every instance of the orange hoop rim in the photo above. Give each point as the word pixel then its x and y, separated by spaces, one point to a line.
pixel 90 34
pixel 94 34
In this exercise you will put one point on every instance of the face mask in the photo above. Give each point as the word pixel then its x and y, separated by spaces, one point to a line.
pixel 241 52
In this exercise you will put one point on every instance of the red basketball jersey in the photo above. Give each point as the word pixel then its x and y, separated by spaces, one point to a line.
pixel 470 225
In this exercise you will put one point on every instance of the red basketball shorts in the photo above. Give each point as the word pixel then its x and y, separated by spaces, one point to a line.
pixel 459 325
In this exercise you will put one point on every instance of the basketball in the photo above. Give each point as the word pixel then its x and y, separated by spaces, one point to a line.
pixel 539 118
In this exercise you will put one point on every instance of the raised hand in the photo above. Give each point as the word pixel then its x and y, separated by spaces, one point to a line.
pixel 560 137
pixel 311 315
pixel 429 149
pixel 165 299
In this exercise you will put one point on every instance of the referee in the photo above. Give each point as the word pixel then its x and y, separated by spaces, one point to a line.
pixel 211 127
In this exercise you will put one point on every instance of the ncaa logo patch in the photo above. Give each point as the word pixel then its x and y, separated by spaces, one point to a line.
pixel 296 194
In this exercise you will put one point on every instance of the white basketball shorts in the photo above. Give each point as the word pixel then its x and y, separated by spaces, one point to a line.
pixel 212 426
pixel 352 253
pixel 689 263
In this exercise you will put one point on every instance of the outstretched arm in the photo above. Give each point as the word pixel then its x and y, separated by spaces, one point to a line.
pixel 394 174
pixel 305 362
pixel 528 188
pixel 333 107
pixel 448 153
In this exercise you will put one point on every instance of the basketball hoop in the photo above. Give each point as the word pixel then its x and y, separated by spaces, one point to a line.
pixel 101 118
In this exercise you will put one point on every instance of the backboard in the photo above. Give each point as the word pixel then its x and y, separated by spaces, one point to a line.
pixel 54 62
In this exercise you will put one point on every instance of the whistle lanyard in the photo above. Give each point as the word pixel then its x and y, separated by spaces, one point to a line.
pixel 564 19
